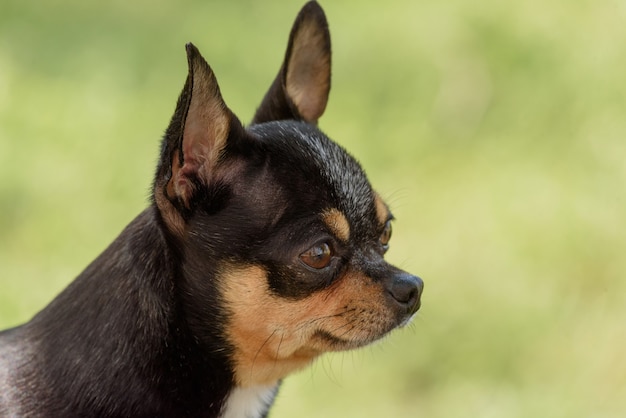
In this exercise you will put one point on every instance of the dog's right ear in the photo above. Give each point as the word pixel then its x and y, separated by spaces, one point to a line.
pixel 300 91
pixel 195 141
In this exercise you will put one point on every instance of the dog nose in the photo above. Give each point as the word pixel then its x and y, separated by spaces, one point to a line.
pixel 406 289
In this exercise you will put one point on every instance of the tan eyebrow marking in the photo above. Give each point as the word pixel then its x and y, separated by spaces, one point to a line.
pixel 382 210
pixel 337 223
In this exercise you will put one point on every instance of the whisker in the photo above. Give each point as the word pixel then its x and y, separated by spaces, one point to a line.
pixel 350 324
pixel 261 348
pixel 321 318
pixel 282 336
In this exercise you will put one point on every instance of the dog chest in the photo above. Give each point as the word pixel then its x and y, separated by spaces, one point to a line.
pixel 252 402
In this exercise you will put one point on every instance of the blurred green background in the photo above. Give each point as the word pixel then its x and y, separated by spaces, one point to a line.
pixel 497 131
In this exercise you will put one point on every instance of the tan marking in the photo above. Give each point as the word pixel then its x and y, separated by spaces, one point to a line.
pixel 337 223
pixel 273 336
pixel 171 216
pixel 307 81
pixel 382 210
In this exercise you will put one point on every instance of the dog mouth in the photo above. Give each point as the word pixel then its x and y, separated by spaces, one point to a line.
pixel 333 342
pixel 359 324
pixel 330 342
pixel 357 336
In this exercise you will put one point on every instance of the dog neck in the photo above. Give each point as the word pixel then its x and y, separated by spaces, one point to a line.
pixel 121 330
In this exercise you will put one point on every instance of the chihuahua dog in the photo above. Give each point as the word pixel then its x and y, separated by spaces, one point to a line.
pixel 263 247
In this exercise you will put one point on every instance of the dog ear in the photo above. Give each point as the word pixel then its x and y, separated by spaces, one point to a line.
pixel 300 91
pixel 197 136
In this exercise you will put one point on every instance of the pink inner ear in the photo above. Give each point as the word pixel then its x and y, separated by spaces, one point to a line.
pixel 207 125
pixel 179 184
pixel 204 137
pixel 308 72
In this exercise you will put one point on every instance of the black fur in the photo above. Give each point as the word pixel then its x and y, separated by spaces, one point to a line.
pixel 116 342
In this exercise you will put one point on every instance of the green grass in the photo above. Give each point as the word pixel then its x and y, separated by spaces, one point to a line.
pixel 496 129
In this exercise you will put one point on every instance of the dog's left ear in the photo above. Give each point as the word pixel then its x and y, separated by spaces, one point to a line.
pixel 300 91
pixel 196 139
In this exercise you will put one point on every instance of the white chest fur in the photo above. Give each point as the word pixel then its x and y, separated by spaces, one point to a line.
pixel 250 402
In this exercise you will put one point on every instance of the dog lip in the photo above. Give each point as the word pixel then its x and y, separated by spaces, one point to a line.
pixel 331 339
pixel 338 343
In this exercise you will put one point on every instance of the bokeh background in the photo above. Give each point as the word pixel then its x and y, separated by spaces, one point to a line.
pixel 497 131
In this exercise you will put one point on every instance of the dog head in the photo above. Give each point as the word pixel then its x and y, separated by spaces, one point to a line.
pixel 280 235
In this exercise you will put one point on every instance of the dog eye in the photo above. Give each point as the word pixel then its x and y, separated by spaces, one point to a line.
pixel 318 256
pixel 386 236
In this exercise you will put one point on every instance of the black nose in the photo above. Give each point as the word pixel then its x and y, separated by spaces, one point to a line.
pixel 406 289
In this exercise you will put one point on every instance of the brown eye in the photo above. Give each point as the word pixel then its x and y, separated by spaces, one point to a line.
pixel 317 257
pixel 386 235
